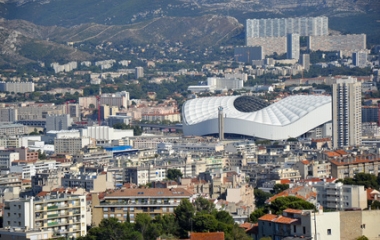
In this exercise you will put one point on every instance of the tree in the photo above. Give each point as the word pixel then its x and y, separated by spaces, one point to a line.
pixel 258 213
pixel 362 238
pixel 224 217
pixel 261 197
pixel 277 188
pixel 173 174
pixel 366 179
pixel 184 214
pixel 282 203
pixel 203 205
pixel 205 223
pixel 142 222
pixel 111 228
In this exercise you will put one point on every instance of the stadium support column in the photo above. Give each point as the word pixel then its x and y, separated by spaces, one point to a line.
pixel 221 123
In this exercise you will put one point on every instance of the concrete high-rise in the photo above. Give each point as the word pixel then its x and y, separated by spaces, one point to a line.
pixel 139 72
pixel 293 46
pixel 359 59
pixel 58 122
pixel 346 112
pixel 248 53
pixel 280 27
pixel 305 61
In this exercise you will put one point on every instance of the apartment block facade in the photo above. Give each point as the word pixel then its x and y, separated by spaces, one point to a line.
pixel 153 201
pixel 63 215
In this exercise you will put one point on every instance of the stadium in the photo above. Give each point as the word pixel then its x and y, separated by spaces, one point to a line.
pixel 294 116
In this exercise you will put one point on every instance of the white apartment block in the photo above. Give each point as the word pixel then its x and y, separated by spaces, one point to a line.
pixel 64 216
pixel 94 182
pixel 7 157
pixel 346 112
pixel 347 43
pixel 280 27
pixel 217 83
pixel 68 67
pixel 17 87
pixel 30 169
pixel 338 196
pixel 105 134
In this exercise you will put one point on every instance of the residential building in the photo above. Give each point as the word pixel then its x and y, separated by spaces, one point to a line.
pixel 24 234
pixel 119 99
pixel 280 27
pixel 11 129
pixel 139 72
pixel 63 215
pixel 346 112
pixel 339 197
pixel 293 46
pixel 243 194
pixel 305 61
pixel 72 145
pixel 347 167
pixel 271 45
pixel 153 201
pixel 246 54
pixel 17 87
pixel 58 122
pixel 7 157
pixel 300 223
pixel 117 119
pixel 354 224
pixel 346 43
pixel 8 114
pixel 359 59
pixel 314 168
pixel 92 182
pixel 217 83
pixel 104 134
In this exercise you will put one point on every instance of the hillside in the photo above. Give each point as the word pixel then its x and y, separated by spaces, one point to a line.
pixel 120 12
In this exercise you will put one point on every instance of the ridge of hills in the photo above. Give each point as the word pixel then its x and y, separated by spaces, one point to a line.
pixel 22 40
pixel 39 30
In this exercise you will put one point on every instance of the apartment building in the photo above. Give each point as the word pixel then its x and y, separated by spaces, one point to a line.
pixel 279 27
pixel 71 145
pixel 92 182
pixel 8 114
pixel 17 87
pixel 153 201
pixel 346 112
pixel 7 157
pixel 337 196
pixel 347 167
pixel 11 129
pixel 348 43
pixel 319 169
pixel 63 215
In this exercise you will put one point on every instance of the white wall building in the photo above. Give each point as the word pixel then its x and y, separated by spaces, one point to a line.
pixel 217 83
pixel 105 134
pixel 17 87
pixel 118 99
pixel 7 157
pixel 61 214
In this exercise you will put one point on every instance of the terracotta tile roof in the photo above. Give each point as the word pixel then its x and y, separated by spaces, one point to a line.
pixel 285 181
pixel 371 194
pixel 321 140
pixel 207 236
pixel 246 225
pixel 306 162
pixel 149 192
pixel 277 219
pixel 290 210
pixel 268 217
pixel 293 192
pixel 332 154
pixel 341 152
pixel 356 161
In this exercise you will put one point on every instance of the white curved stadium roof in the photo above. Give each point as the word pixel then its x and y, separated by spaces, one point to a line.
pixel 293 115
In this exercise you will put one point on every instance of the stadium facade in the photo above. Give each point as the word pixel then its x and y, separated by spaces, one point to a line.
pixel 293 116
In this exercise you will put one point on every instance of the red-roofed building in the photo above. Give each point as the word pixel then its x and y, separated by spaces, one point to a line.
pixel 207 236
pixel 306 193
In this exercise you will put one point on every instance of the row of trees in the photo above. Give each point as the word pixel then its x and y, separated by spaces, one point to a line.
pixel 198 217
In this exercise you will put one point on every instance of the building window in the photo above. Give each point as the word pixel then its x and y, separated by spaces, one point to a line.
pixel 294 228
pixel 304 230
pixel 328 231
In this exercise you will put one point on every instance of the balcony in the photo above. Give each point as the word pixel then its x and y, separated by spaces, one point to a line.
pixel 52 224
pixel 52 215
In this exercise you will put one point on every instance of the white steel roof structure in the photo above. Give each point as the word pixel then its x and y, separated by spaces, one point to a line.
pixel 250 116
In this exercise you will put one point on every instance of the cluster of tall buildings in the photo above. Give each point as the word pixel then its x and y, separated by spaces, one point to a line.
pixel 279 35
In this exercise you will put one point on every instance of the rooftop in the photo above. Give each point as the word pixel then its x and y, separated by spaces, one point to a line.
pixel 149 192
